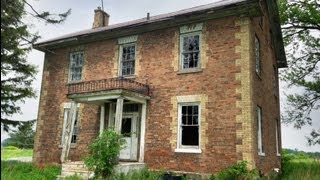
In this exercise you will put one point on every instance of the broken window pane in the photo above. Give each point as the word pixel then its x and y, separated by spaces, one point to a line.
pixel 190 51
pixel 76 63
pixel 128 60
pixel 126 127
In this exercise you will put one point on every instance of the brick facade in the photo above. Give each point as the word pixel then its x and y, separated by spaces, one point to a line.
pixel 227 87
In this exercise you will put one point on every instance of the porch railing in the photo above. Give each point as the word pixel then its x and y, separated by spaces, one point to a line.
pixel 107 84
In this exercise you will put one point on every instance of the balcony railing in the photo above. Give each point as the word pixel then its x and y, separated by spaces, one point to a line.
pixel 107 84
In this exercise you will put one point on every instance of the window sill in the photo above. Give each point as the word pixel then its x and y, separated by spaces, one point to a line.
pixel 74 82
pixel 186 71
pixel 195 151
pixel 128 77
pixel 261 154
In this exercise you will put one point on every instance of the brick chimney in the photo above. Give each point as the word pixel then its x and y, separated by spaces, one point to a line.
pixel 101 18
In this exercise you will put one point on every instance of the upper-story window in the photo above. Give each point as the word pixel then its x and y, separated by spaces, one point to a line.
pixel 190 46
pixel 257 55
pixel 127 55
pixel 190 52
pixel 76 64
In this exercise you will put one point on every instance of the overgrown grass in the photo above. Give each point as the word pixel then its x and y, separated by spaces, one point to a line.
pixel 13 170
pixel 300 167
pixel 144 174
pixel 12 152
pixel 294 166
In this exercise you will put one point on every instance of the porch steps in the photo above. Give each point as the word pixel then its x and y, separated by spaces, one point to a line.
pixel 74 168
pixel 78 168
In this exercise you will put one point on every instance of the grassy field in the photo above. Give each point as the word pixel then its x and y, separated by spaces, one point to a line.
pixel 12 152
pixel 13 170
pixel 300 167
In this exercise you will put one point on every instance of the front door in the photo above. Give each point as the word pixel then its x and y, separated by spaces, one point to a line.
pixel 129 132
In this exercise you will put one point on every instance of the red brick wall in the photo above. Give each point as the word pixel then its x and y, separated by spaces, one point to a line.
pixel 217 80
pixel 265 97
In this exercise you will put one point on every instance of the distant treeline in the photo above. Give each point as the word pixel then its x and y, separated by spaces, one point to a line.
pixel 302 153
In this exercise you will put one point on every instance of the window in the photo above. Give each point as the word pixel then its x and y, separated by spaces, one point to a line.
pixel 76 64
pixel 75 130
pixel 190 47
pixel 127 59
pixel 189 131
pixel 259 126
pixel 277 137
pixel 257 54
pixel 275 81
pixel 190 50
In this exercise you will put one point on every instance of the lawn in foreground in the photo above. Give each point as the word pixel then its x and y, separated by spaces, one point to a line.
pixel 13 152
pixel 13 170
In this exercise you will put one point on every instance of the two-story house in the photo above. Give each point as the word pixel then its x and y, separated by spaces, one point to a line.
pixel 192 91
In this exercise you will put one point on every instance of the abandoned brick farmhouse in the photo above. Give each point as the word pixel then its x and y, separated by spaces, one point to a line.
pixel 192 91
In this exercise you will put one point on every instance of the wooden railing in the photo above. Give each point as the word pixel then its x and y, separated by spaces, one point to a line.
pixel 107 84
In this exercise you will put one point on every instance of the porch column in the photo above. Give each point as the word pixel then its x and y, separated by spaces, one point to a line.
pixel 143 130
pixel 102 117
pixel 118 116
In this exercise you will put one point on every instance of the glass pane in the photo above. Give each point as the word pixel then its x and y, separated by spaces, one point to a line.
pixel 195 120
pixel 184 120
pixel 195 110
pixel 190 110
pixel 184 109
pixel 190 135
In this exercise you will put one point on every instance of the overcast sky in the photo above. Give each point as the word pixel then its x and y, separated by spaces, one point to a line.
pixel 120 11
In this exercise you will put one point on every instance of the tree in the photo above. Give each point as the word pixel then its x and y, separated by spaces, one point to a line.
pixel 300 21
pixel 16 41
pixel 23 137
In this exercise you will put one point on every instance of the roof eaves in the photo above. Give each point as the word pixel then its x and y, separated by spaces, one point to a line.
pixel 154 20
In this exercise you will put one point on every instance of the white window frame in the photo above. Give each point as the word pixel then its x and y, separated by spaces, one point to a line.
pixel 199 33
pixel 277 137
pixel 257 52
pixel 66 110
pixel 70 64
pixel 183 148
pixel 121 46
pixel 259 131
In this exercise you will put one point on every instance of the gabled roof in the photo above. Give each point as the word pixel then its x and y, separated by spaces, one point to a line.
pixel 214 10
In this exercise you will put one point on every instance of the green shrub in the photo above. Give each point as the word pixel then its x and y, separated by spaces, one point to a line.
pixel 237 171
pixel 104 152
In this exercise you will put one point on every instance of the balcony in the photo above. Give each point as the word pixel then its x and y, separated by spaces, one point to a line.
pixel 107 85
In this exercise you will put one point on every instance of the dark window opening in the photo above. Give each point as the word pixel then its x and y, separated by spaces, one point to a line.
pixel 190 135
pixel 190 125
pixel 126 127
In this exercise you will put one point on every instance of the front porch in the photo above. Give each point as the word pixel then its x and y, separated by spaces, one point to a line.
pixel 123 106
